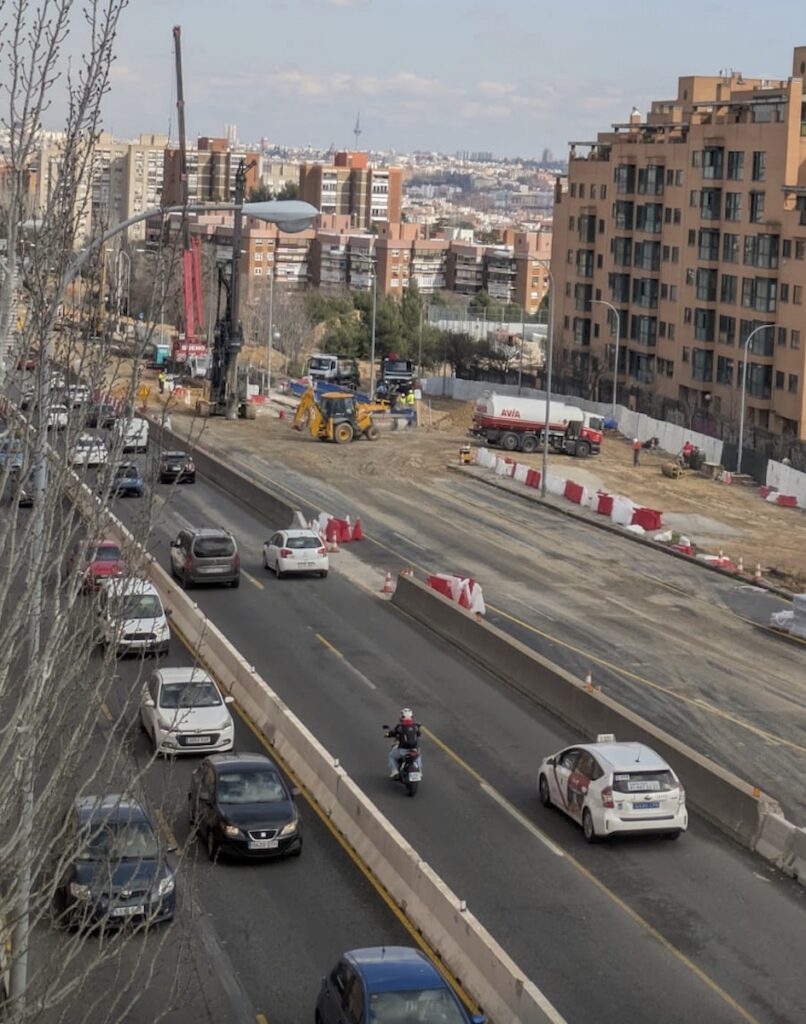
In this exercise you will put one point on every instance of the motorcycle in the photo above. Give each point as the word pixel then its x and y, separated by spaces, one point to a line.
pixel 410 771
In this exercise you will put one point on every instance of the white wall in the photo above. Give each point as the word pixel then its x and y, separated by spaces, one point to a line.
pixel 787 481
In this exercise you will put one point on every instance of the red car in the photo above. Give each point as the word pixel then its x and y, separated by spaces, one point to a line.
pixel 97 561
pixel 27 363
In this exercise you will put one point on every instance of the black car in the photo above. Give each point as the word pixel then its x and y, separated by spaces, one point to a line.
pixel 102 415
pixel 177 466
pixel 116 869
pixel 240 805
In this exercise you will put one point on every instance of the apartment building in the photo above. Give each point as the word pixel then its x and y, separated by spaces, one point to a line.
pixel 692 223
pixel 144 165
pixel 350 187
pixel 212 166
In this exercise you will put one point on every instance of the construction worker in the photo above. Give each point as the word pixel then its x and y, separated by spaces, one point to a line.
pixel 161 380
pixel 410 405
pixel 636 452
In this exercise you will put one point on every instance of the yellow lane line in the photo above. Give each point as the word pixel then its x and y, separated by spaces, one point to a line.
pixel 329 645
pixel 261 1018
pixel 105 710
pixel 634 916
pixel 253 579
pixel 356 672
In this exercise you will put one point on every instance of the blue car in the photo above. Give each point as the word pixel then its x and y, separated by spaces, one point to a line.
pixel 389 985
pixel 117 871
pixel 12 452
pixel 128 481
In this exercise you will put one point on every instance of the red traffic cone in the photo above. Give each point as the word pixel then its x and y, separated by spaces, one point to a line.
pixel 332 536
pixel 388 586
pixel 281 414
pixel 344 530
pixel 358 533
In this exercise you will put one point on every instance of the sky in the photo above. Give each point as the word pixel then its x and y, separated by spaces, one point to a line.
pixel 510 76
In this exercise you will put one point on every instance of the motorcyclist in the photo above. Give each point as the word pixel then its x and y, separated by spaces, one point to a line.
pixel 407 733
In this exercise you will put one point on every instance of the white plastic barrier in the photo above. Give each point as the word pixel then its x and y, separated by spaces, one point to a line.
pixel 787 480
pixel 520 472
pixel 555 485
pixel 623 510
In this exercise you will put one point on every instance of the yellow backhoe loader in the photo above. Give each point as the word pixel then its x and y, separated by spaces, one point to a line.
pixel 337 417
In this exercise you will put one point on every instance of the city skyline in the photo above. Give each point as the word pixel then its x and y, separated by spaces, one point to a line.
pixel 457 76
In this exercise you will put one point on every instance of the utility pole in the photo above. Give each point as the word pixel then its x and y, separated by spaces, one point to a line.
pixel 234 339
pixel 374 273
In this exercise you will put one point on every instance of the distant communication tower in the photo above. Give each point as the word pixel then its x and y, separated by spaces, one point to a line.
pixel 357 129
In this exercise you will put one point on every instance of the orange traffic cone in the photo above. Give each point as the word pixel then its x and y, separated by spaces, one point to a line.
pixel 281 414
pixel 332 536
pixel 358 533
pixel 758 571
pixel 388 586
pixel 589 681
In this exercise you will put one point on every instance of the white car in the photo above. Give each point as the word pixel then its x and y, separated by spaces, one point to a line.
pixel 295 551
pixel 609 787
pixel 183 712
pixel 76 394
pixel 131 618
pixel 89 450
pixel 131 434
pixel 58 417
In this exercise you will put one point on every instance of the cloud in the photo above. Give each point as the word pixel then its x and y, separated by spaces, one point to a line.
pixel 488 88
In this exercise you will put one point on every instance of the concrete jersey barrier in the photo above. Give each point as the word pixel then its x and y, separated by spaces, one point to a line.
pixel 465 947
pixel 727 801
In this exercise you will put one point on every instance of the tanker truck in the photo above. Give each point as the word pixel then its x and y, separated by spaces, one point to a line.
pixel 517 424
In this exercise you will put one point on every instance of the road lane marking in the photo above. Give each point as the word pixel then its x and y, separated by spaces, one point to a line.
pixel 261 1018
pixel 165 828
pixel 105 709
pixel 356 672
pixel 253 579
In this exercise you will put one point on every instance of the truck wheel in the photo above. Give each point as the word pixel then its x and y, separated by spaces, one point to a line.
pixel 342 433
pixel 509 441
pixel 529 444
pixel 372 433
pixel 583 449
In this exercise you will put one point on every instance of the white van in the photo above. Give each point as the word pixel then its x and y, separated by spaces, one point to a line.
pixel 133 433
pixel 131 618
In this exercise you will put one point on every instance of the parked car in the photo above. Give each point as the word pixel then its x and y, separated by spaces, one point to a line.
pixel 88 450
pixel 58 417
pixel 131 433
pixel 131 618
pixel 183 712
pixel 177 467
pixel 389 983
pixel 12 451
pixel 295 551
pixel 28 362
pixel 240 805
pixel 97 561
pixel 102 414
pixel 127 481
pixel 609 787
pixel 76 395
pixel 116 869
pixel 206 555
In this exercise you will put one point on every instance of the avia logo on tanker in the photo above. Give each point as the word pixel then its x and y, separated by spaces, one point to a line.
pixel 511 414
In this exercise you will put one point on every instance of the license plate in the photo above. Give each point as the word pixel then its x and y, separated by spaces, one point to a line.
pixel 307 565
pixel 197 741
pixel 646 806
pixel 415 776
pixel 214 568
pixel 263 844
pixel 128 911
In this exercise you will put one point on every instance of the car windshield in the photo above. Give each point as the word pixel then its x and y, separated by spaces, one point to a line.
pixel 596 423
pixel 119 840
pixel 127 472
pixel 174 456
pixel 200 693
pixel 213 547
pixel 303 542
pixel 104 553
pixel 250 786
pixel 139 606
pixel 418 1007
pixel 396 365
pixel 320 364
pixel 644 782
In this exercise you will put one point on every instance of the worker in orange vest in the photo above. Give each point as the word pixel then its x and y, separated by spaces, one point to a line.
pixel 636 451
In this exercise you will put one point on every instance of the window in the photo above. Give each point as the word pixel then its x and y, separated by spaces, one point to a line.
pixel 619 287
pixel 793 384
pixel 783 293
pixel 622 252
pixel 568 289
pixel 727 289
pixel 766 294
pixel 690 275
pixel 763 343
pixel 694 198
pixel 673 293
pixel 786 248
pixel 624 178
pixel 711 203
pixel 704 324
pixel 706 285
pixel 664 291
pixel 623 214
pixel 733 206
pixel 649 218
pixel 724 371
pixel 730 248
pixel 573 190
pixel 675 254
pixel 735 165
pixel 671 332
pixel 670 177
pixel 678 215
pixel 709 244
pixel 702 364
pixel 582 331
pixel 761 251
pixel 678 177
pixel 782 337
pixel 797 294
pixel 759 166
pixel 585 262
pixel 650 180
pixel 571 223
pixel 727 330
pixel 692 236
pixel 800 249
pixel 780 378
pixel 686 352
pixel 647 255
pixel 587 228
pixel 581 191
pixel 795 339
pixel 662 329
pixel 687 315
pixel 583 293
pixel 712 162
pixel 696 158
pixel 756 207
pixel 645 292
pixel 644 330
pixel 603 191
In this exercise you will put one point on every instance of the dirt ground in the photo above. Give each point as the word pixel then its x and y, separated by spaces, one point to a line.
pixel 714 516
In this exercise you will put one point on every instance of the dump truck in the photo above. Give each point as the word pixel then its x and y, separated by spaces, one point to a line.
pixel 518 424
pixel 333 370
pixel 337 416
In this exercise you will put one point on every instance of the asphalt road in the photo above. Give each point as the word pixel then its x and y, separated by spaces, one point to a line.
pixel 613 932
pixel 676 643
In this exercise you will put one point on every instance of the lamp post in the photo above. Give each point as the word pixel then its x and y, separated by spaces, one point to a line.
pixel 549 361
pixel 291 215
pixel 122 252
pixel 374 273
pixel 273 335
pixel 617 315
pixel 750 336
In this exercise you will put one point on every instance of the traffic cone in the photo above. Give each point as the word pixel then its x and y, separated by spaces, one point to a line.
pixel 358 533
pixel 721 555
pixel 281 414
pixel 344 530
pixel 758 571
pixel 388 586
pixel 589 681
pixel 740 567
pixel 332 536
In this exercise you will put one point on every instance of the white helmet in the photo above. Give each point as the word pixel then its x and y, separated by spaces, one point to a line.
pixel 406 714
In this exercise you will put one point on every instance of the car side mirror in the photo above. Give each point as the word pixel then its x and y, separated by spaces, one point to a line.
pixel 174 543
pixel 478 1019
pixel 148 702
pixel 172 848
pixel 296 791
pixel 229 700
pixel 168 612
pixel 551 760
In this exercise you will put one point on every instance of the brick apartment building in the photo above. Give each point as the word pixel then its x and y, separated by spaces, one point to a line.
pixel 212 166
pixel 349 187
pixel 693 224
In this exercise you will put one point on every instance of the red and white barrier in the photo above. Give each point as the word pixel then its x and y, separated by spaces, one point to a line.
pixel 462 589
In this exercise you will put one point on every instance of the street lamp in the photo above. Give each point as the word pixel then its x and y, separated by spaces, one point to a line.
pixel 273 335
pixel 374 273
pixel 617 315
pixel 750 336
pixel 549 360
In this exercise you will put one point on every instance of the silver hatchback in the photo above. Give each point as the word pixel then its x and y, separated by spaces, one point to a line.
pixel 206 555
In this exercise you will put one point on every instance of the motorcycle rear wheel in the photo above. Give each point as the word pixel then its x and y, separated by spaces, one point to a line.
pixel 411 788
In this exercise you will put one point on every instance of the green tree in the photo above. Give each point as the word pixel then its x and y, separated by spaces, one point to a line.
pixel 260 193
pixel 289 191
pixel 412 313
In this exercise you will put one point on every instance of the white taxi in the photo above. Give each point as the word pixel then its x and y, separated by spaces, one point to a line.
pixel 609 787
